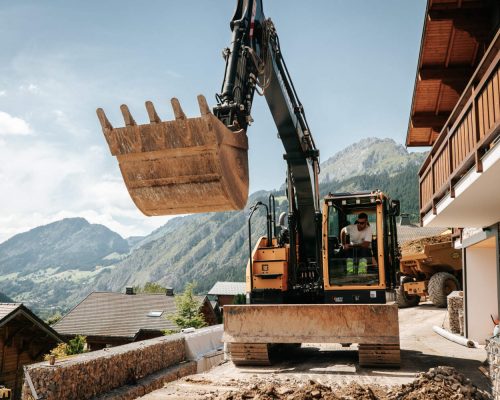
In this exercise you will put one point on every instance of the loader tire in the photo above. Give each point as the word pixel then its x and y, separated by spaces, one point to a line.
pixel 404 300
pixel 440 286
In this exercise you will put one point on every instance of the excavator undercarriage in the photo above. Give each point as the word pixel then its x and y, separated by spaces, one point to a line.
pixel 250 330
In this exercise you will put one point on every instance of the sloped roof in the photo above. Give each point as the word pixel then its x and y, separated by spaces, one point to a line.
pixel 228 288
pixel 454 38
pixel 19 314
pixel 109 314
pixel 7 308
pixel 407 233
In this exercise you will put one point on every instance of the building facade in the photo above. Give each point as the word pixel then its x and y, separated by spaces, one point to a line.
pixel 456 111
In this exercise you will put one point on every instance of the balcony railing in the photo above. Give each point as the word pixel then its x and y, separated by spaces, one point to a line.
pixel 471 129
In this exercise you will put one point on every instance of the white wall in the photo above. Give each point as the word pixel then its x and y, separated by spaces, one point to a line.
pixel 481 292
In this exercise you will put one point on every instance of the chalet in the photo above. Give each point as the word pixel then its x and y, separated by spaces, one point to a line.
pixel 112 319
pixel 456 112
pixel 226 291
pixel 24 339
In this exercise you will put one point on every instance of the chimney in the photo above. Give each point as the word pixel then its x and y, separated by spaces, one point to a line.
pixel 405 220
pixel 169 291
pixel 129 290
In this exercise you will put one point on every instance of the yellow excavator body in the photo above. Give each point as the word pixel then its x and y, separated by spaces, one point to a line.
pixel 188 165
pixel 304 284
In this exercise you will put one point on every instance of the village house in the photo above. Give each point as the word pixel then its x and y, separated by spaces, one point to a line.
pixel 456 111
pixel 24 339
pixel 112 319
pixel 225 292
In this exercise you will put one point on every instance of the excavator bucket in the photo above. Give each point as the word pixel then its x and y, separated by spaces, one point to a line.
pixel 188 165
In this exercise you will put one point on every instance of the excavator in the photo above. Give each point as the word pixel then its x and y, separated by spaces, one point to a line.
pixel 303 286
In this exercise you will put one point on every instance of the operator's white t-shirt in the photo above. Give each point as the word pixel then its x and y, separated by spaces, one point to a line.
pixel 358 237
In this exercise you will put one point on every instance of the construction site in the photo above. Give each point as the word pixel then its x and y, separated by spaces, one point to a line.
pixel 342 301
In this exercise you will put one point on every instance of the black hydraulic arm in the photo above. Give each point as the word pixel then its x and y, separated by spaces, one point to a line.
pixel 254 62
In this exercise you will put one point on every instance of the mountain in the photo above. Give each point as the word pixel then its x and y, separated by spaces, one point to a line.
pixel 55 266
pixel 202 248
pixel 42 266
pixel 5 299
pixel 372 156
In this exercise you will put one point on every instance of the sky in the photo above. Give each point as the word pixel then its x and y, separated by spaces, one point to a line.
pixel 352 62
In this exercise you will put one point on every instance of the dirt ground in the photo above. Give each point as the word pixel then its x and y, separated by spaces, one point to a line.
pixel 330 372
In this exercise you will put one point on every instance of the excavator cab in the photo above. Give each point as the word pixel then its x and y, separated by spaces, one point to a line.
pixel 359 274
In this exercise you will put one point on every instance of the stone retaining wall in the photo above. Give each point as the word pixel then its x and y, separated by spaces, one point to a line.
pixel 456 312
pixel 493 351
pixel 97 373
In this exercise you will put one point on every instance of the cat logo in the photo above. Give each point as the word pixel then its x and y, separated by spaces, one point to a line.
pixel 338 299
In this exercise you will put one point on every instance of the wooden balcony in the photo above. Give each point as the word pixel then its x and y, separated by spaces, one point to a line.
pixel 471 130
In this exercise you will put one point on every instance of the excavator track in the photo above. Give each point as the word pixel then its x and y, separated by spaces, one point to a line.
pixel 379 355
pixel 249 353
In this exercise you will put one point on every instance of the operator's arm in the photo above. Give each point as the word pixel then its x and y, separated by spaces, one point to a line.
pixel 343 235
pixel 367 238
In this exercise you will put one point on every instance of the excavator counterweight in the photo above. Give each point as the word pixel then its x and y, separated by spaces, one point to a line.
pixel 188 165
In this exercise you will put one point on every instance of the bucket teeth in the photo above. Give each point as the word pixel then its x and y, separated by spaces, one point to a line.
pixel 153 116
pixel 105 124
pixel 202 102
pixel 179 114
pixel 129 120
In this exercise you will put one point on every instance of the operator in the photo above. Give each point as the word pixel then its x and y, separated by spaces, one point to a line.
pixel 356 240
pixel 359 233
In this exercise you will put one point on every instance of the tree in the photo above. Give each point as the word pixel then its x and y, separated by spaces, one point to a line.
pixel 188 312
pixel 150 287
pixel 240 299
pixel 77 345
pixel 54 318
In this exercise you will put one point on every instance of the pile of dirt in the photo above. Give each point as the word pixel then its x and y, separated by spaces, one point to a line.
pixel 417 245
pixel 304 391
pixel 437 383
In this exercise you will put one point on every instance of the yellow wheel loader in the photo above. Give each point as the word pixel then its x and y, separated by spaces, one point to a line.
pixel 304 285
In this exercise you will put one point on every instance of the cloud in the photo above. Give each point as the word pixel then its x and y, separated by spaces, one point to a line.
pixel 29 88
pixel 10 125
pixel 3 93
pixel 45 182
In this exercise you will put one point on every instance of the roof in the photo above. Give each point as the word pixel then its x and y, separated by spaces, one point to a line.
pixel 228 288
pixel 109 314
pixel 19 313
pixel 7 308
pixel 407 233
pixel 454 38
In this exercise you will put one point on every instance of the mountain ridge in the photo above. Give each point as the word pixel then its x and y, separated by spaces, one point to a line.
pixel 51 271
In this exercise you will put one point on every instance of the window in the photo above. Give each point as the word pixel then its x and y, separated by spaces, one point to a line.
pixel 155 313
pixel 357 264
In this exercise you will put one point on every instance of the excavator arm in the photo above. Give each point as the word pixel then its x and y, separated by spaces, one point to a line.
pixel 200 164
pixel 255 62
